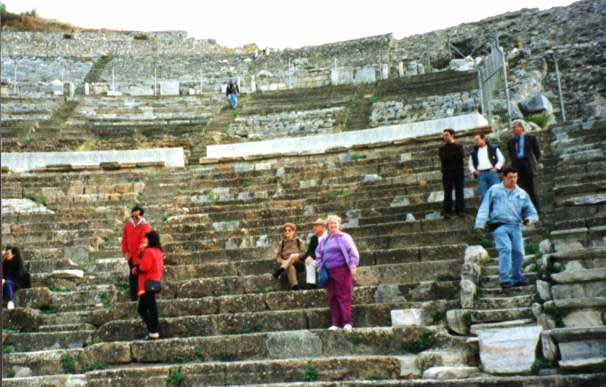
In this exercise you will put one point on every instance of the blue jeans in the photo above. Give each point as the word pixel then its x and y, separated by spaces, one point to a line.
pixel 487 179
pixel 9 289
pixel 510 246
pixel 233 100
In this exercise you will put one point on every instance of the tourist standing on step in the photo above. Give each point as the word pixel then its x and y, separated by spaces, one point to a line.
pixel 340 255
pixel 150 272
pixel 14 275
pixel 452 158
pixel 484 162
pixel 506 206
pixel 133 233
pixel 524 153
pixel 319 230
pixel 232 92
pixel 290 252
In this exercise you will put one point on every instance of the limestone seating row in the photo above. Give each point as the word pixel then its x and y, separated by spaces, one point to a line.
pixel 253 347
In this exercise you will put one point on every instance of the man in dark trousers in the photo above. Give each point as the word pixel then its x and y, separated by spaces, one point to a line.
pixel 319 230
pixel 133 233
pixel 524 152
pixel 452 157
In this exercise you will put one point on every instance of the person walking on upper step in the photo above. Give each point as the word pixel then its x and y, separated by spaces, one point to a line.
pixel 452 158
pixel 133 233
pixel 484 162
pixel 525 152
pixel 14 275
pixel 505 206
pixel 231 93
pixel 319 230
pixel 290 252
pixel 340 255
pixel 150 272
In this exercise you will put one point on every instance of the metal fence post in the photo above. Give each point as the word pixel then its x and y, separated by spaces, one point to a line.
pixel 506 85
pixel 560 96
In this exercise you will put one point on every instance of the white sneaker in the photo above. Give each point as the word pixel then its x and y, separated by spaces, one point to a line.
pixel 348 327
pixel 10 305
pixel 333 328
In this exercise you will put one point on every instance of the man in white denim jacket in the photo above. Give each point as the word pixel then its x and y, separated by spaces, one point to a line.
pixel 506 206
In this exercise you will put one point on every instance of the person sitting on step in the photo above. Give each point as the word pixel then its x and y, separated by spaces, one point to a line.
pixel 340 255
pixel 290 252
pixel 14 275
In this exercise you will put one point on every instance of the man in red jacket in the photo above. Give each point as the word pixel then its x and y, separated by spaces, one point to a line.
pixel 133 233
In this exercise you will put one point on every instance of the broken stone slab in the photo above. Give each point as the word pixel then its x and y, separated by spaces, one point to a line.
pixel 410 217
pixel 550 348
pixel 400 201
pixel 468 293
pixel 408 367
pixel 536 104
pixel 459 320
pixel 545 246
pixel 584 318
pixel 508 350
pixel 450 372
pixel 544 290
pixel 585 364
pixel 597 274
pixel 23 206
pixel 406 317
pixel 68 274
pixel 433 215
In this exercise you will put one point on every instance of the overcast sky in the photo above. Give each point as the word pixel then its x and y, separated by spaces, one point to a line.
pixel 275 23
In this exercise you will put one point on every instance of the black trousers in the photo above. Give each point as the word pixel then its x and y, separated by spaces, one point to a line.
pixel 148 310
pixel 133 281
pixel 526 182
pixel 454 178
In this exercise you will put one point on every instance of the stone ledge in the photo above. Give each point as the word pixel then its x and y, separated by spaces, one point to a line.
pixel 575 276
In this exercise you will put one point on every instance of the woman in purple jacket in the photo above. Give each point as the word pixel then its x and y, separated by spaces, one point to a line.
pixel 340 255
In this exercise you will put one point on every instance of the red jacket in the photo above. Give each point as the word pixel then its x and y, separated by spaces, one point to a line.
pixel 151 267
pixel 132 236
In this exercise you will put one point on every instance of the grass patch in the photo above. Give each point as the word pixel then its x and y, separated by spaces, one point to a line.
pixel 356 339
pixel 59 289
pixel 93 367
pixel 541 119
pixel 599 368
pixel 212 196
pixel 144 37
pixel 539 364
pixel 544 272
pixel 556 314
pixel 68 364
pixel 164 218
pixel 48 310
pixel 37 199
pixel 443 277
pixel 534 249
pixel 246 331
pixel 8 348
pixel 122 287
pixel 310 373
pixel 357 156
pixel 336 194
pixel 107 300
pixel 375 98
pixel 175 377
pixel 423 343
pixel 247 183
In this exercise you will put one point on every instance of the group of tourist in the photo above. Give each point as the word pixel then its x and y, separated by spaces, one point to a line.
pixel 504 205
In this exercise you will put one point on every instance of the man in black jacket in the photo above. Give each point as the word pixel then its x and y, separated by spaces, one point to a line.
pixel 452 157
pixel 319 229
pixel 524 152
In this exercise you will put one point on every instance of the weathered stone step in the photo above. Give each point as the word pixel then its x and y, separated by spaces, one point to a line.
pixel 492 281
pixel 444 349
pixel 497 291
pixel 499 315
pixel 36 341
pixel 501 324
pixel 66 327
pixel 504 302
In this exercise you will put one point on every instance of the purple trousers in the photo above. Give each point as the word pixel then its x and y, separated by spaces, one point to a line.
pixel 339 291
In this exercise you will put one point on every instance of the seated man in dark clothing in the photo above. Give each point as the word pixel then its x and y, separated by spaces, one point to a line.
pixel 319 230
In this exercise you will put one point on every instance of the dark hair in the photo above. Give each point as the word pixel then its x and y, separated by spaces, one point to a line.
pixel 153 240
pixel 508 170
pixel 482 136
pixel 449 130
pixel 138 208
pixel 17 261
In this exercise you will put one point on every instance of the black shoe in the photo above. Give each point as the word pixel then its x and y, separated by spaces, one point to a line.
pixel 520 283
pixel 505 285
pixel 447 214
pixel 295 287
pixel 461 214
pixel 278 273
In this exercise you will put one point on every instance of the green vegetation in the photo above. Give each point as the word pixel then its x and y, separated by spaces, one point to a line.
pixel 245 331
pixel 435 312
pixel 122 287
pixel 30 21
pixel 11 373
pixel 443 277
pixel 200 352
pixel 68 364
pixel 144 37
pixel 164 218
pixel 59 289
pixel 541 119
pixel 8 348
pixel 199 355
pixel 175 378
pixel 468 320
pixel 356 339
pixel 212 196
pixel 310 373
pixel 48 310
pixel 556 314
pixel 227 357
pixel 358 156
pixel 94 366
pixel 539 364
pixel 419 345
pixel 545 272
pixel 37 199
pixel 599 368
pixel 335 194
pixel 534 249
pixel 107 300
pixel 247 183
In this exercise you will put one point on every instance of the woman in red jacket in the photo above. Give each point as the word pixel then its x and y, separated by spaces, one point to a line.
pixel 150 268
